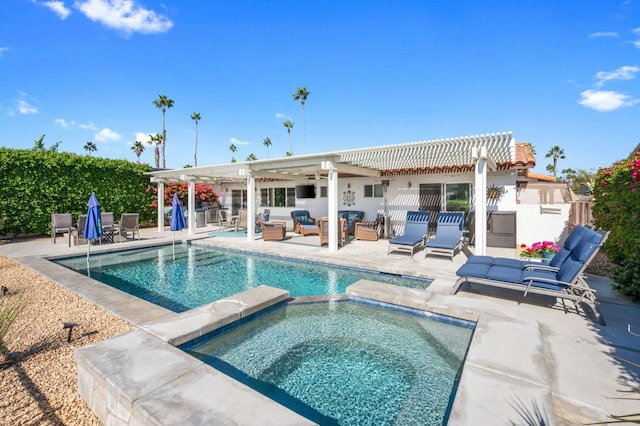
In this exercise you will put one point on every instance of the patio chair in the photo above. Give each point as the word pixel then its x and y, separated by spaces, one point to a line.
pixel 241 220
pixel 448 237
pixel 415 230
pixel 109 228
pixel 323 224
pixel 565 283
pixel 61 223
pixel 368 230
pixel 272 231
pixel 302 217
pixel 129 223
pixel 77 233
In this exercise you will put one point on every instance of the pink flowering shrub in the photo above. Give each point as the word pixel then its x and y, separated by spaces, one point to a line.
pixel 538 248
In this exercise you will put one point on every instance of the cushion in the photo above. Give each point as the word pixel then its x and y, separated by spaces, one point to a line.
pixel 302 218
pixel 478 270
pixel 264 217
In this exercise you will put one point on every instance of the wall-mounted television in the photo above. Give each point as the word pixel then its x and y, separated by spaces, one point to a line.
pixel 306 191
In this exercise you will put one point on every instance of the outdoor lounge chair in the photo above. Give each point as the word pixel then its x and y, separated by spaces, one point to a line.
pixel 271 231
pixel 569 244
pixel 302 217
pixel 129 223
pixel 415 230
pixel 565 283
pixel 448 237
pixel 367 230
pixel 323 223
pixel 61 223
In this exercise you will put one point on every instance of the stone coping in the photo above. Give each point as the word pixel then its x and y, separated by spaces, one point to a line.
pixel 140 378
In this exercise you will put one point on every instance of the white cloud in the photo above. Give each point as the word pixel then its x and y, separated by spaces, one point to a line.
pixel 142 137
pixel 124 15
pixel 280 116
pixel 603 34
pixel 64 123
pixel 636 43
pixel 2 50
pixel 623 73
pixel 25 107
pixel 88 126
pixel 605 100
pixel 58 8
pixel 107 135
pixel 235 141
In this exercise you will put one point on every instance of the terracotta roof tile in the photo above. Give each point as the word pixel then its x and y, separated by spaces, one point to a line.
pixel 524 155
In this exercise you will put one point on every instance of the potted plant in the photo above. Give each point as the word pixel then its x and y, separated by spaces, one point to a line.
pixel 544 250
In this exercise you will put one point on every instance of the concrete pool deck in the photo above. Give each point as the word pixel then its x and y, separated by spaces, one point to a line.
pixel 527 362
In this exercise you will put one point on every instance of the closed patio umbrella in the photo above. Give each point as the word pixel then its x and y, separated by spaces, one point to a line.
pixel 93 227
pixel 178 222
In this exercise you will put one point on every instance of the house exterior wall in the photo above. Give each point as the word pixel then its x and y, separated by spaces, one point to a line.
pixel 534 222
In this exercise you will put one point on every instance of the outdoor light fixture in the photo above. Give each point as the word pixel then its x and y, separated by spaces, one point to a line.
pixel 69 326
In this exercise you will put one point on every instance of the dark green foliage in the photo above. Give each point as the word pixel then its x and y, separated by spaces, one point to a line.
pixel 35 183
pixel 617 209
pixel 627 278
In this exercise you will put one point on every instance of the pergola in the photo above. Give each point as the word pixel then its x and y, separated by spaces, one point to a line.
pixel 495 151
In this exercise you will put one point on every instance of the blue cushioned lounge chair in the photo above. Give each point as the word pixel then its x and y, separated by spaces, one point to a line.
pixel 448 237
pixel 302 217
pixel 567 282
pixel 415 230
pixel 569 244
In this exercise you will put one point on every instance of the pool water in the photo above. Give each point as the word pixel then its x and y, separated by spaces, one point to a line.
pixel 192 276
pixel 345 363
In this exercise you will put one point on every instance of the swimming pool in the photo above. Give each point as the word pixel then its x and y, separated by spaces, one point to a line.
pixel 198 275
pixel 345 362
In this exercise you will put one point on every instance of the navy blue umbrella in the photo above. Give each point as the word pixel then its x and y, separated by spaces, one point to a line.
pixel 178 222
pixel 93 227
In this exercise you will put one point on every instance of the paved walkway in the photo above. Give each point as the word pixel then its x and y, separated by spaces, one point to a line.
pixel 532 362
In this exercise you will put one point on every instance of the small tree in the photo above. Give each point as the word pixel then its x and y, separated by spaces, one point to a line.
pixel 289 125
pixel 556 153
pixel 251 157
pixel 90 147
pixel 163 103
pixel 233 150
pixel 301 95
pixel 138 149
pixel 196 117
pixel 267 143
pixel 155 140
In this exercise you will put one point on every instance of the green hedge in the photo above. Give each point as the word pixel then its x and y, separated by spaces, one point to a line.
pixel 35 183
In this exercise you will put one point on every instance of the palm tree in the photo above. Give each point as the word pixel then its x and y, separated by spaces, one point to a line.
pixel 556 153
pixel 288 154
pixel 90 147
pixel 163 103
pixel 155 140
pixel 196 117
pixel 138 149
pixel 233 150
pixel 301 95
pixel 289 125
pixel 251 157
pixel 267 143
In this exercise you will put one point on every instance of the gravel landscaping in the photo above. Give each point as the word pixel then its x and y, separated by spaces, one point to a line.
pixel 38 383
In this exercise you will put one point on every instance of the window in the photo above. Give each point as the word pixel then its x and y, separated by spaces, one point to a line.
pixel 278 197
pixel 323 192
pixel 458 197
pixel 374 191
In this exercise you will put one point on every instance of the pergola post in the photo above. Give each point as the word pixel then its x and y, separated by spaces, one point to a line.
pixel 482 160
pixel 332 208
pixel 160 203
pixel 192 207
pixel 251 208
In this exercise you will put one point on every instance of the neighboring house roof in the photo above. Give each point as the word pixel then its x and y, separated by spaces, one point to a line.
pixel 540 177
pixel 425 157
pixel 524 155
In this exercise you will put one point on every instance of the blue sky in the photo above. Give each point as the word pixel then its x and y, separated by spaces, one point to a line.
pixel 557 72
